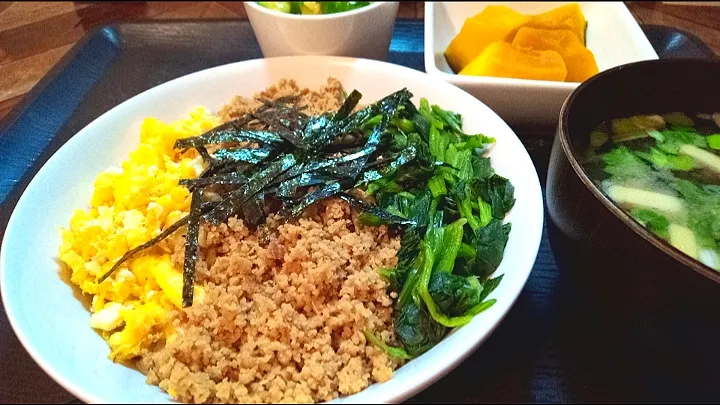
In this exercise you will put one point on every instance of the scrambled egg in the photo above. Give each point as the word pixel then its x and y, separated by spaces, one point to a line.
pixel 129 206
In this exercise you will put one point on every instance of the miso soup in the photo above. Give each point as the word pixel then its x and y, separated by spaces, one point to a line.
pixel 664 170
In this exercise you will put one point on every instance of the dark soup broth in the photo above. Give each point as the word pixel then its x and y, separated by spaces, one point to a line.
pixel 664 170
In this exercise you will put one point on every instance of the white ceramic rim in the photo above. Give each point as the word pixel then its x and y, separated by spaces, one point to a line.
pixel 426 377
pixel 313 17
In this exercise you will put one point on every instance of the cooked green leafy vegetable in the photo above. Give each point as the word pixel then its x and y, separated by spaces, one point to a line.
pixel 623 163
pixel 417 331
pixel 656 222
pixel 703 203
pixel 673 140
pixel 498 192
pixel 454 294
pixel 663 160
pixel 714 141
pixel 446 258
pixel 398 352
pixel 489 245
pixel 667 176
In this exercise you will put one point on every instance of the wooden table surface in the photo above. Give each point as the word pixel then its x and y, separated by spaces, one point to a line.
pixel 35 35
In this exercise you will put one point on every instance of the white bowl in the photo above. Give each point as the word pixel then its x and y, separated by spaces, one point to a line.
pixel 362 33
pixel 53 325
pixel 613 36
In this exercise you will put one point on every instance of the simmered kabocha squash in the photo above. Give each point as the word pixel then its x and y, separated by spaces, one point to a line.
pixel 501 59
pixel 580 62
pixel 494 23
pixel 569 17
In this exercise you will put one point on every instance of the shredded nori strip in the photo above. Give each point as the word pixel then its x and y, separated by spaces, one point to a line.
pixel 284 100
pixel 228 135
pixel 322 193
pixel 348 171
pixel 224 179
pixel 164 234
pixel 191 248
pixel 385 216
pixel 288 124
pixel 206 206
pixel 259 180
pixel 248 155
pixel 395 160
pixel 399 159
pixel 253 209
pixel 350 102
pixel 204 153
pixel 288 189
pixel 319 164
pixel 368 177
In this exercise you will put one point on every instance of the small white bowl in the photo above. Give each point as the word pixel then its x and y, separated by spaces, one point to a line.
pixel 613 36
pixel 362 33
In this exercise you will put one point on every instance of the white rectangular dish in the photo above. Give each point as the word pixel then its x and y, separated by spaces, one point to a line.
pixel 613 35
